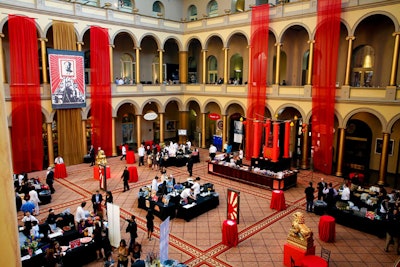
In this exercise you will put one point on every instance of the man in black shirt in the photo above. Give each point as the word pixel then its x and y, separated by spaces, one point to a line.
pixel 310 197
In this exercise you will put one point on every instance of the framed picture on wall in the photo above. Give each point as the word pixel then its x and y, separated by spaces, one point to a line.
pixel 379 145
pixel 170 126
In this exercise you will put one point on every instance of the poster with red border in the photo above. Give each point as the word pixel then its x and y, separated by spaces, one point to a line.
pixel 67 79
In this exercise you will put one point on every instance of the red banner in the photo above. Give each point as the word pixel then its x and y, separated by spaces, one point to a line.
pixel 214 116
pixel 324 79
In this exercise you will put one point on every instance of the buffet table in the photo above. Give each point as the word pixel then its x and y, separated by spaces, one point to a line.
pixel 266 164
pixel 349 219
pixel 158 208
pixel 250 177
pixel 203 204
pixel 179 161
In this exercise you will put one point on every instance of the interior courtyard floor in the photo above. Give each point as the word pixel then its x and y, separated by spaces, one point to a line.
pixel 262 231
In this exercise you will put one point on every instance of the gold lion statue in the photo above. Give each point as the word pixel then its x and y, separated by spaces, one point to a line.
pixel 299 229
pixel 101 157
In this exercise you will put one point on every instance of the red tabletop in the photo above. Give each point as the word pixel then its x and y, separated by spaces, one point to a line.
pixel 313 261
pixel 278 200
pixel 60 171
pixel 130 157
pixel 133 174
pixel 230 236
pixel 326 228
pixel 96 172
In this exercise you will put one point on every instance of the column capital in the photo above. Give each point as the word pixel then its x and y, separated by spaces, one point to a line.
pixel 80 43
pixel 310 41
pixel 160 50
pixel 137 48
pixel 112 46
pixel 278 44
pixel 42 39
pixel 225 48
pixel 204 50
pixel 2 35
pixel 395 33
pixel 350 38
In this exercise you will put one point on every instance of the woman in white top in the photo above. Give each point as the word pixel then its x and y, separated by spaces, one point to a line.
pixel 35 199
pixel 59 160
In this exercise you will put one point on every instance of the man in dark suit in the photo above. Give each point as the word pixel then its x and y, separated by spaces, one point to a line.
pixel 96 200
pixel 92 155
pixel 125 177
pixel 50 179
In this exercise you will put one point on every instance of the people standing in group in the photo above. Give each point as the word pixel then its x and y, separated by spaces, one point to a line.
pixel 50 179
pixel 212 151
pixel 123 254
pixel 190 166
pixel 132 230
pixel 109 198
pixel 123 151
pixel 58 160
pixel 345 193
pixel 80 212
pixel 149 223
pixel 33 196
pixel 92 155
pixel 97 199
pixel 125 177
pixel 393 230
pixel 309 191
pixel 320 187
pixel 154 184
pixel 141 153
pixel 97 236
pixel 330 193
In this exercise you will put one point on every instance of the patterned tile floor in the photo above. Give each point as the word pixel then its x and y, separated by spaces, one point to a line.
pixel 262 231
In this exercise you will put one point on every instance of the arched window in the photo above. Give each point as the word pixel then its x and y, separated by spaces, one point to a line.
pixel 363 66
pixel 236 69
pixel 127 69
pixel 213 9
pixel 192 13
pixel 158 9
pixel 127 128
pixel 212 69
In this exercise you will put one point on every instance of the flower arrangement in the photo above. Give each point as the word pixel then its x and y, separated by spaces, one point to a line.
pixel 30 246
pixel 152 259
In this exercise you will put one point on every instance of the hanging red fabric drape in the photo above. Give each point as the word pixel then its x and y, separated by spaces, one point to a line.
pixel 287 140
pixel 275 142
pixel 256 139
pixel 324 80
pixel 258 74
pixel 101 89
pixel 26 131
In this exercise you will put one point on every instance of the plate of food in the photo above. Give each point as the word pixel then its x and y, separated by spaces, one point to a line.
pixel 85 240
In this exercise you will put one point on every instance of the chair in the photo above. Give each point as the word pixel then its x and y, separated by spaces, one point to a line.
pixel 325 254
pixel 292 262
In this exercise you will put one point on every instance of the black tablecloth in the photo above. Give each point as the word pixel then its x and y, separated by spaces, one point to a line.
pixel 203 204
pixel 158 208
pixel 347 218
pixel 175 161
pixel 266 164
pixel 76 257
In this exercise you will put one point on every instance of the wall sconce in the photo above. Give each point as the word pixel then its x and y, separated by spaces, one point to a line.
pixel 159 14
pixel 227 11
pixel 135 10
pixel 205 15
pixel 107 5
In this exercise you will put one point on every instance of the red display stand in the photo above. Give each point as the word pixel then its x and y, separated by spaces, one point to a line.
pixel 297 253
pixel 60 171
pixel 326 228
pixel 313 261
pixel 133 174
pixel 130 157
pixel 96 172
pixel 278 200
pixel 230 236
